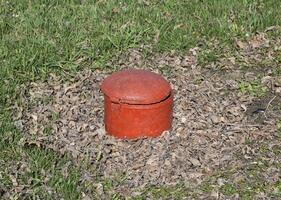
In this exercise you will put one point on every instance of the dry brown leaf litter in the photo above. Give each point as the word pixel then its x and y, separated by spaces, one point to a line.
pixel 212 122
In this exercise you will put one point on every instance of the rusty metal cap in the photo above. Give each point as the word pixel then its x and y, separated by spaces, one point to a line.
pixel 136 87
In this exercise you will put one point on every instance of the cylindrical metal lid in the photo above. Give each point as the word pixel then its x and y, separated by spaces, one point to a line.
pixel 136 87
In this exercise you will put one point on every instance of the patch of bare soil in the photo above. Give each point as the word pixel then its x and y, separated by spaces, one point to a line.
pixel 213 123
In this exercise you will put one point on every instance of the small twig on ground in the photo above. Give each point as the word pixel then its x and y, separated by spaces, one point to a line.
pixel 269 103
pixel 268 106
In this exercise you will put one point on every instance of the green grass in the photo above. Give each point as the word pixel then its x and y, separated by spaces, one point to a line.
pixel 207 57
pixel 163 192
pixel 278 187
pixel 228 189
pixel 43 172
pixel 44 163
pixel 278 125
pixel 39 37
pixel 254 88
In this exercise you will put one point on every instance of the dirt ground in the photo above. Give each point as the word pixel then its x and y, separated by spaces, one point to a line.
pixel 216 126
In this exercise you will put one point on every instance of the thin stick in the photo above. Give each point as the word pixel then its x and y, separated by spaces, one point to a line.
pixel 269 103
pixel 268 106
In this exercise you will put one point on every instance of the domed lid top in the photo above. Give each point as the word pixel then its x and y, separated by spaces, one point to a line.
pixel 136 87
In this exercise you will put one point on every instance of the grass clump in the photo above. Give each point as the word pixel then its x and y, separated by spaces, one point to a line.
pixel 207 57
pixel 166 192
pixel 228 189
pixel 253 88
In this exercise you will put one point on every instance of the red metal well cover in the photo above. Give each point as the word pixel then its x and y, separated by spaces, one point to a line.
pixel 136 87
